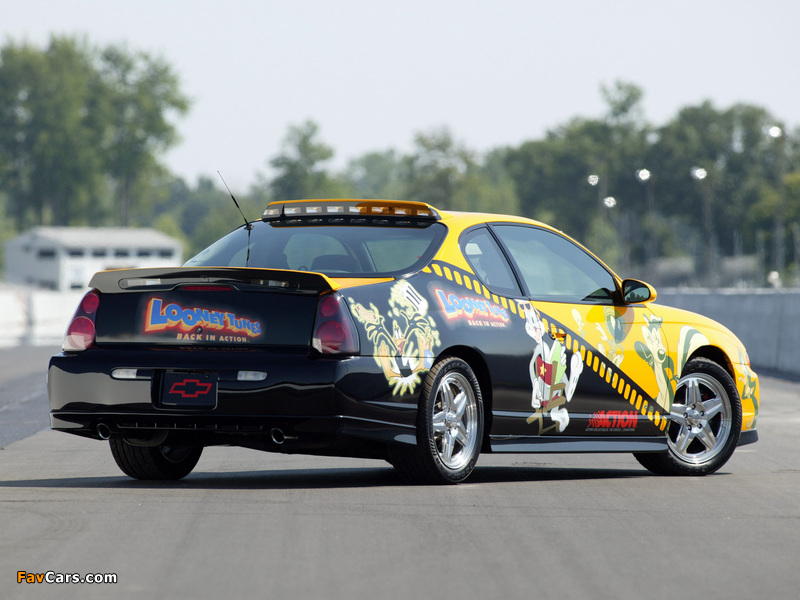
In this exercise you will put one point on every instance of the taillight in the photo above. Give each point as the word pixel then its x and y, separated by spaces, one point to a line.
pixel 334 330
pixel 81 331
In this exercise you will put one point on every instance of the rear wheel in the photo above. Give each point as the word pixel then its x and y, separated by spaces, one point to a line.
pixel 706 420
pixel 449 427
pixel 155 462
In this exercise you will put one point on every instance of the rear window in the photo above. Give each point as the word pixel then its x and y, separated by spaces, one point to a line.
pixel 339 251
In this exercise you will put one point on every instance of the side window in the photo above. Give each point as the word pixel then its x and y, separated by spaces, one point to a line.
pixel 487 260
pixel 555 269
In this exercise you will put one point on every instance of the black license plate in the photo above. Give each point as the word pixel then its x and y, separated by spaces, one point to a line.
pixel 196 390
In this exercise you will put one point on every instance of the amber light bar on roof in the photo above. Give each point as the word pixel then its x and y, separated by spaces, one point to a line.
pixel 350 208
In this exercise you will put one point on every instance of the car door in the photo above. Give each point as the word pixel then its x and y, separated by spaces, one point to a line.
pixel 590 351
pixel 503 343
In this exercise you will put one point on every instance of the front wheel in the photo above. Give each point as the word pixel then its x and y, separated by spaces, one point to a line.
pixel 706 421
pixel 449 427
pixel 162 462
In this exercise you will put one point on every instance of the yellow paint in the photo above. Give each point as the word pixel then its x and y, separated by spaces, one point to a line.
pixel 342 283
pixel 607 337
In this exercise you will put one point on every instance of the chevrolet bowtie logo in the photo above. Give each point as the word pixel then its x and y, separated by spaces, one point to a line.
pixel 190 388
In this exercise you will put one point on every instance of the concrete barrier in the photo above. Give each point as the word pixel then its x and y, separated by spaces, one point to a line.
pixel 35 317
pixel 767 321
pixel 52 313
pixel 14 316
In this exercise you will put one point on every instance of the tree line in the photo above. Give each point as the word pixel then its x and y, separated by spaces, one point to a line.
pixel 83 131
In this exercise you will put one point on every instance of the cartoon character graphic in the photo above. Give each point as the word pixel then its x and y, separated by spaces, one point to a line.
pixel 654 352
pixel 404 348
pixel 613 331
pixel 749 387
pixel 553 388
pixel 576 316
pixel 689 340
pixel 617 330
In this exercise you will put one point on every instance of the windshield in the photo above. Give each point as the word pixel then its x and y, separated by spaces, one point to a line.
pixel 340 250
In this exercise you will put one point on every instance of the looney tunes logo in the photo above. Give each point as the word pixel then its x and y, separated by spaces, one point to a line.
pixel 403 340
pixel 190 321
pixel 475 310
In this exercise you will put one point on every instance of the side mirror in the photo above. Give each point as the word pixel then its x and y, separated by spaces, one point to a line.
pixel 637 292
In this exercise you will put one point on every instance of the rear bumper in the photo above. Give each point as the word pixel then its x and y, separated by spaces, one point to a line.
pixel 305 404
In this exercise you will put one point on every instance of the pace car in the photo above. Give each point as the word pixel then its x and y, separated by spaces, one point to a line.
pixel 393 330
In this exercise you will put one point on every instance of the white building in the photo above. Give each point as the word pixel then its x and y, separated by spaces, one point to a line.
pixel 65 258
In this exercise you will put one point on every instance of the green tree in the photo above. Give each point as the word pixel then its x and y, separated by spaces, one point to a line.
pixel 551 175
pixel 74 118
pixel 376 175
pixel 486 186
pixel 431 173
pixel 140 94
pixel 743 167
pixel 50 134
pixel 445 174
pixel 300 172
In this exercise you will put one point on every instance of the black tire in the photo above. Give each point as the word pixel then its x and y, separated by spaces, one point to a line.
pixel 706 421
pixel 449 427
pixel 162 462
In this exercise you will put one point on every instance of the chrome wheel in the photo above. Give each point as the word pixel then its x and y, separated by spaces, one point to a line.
pixel 455 421
pixel 449 427
pixel 705 423
pixel 701 419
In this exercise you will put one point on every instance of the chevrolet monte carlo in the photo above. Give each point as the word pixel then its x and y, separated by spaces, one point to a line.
pixel 393 330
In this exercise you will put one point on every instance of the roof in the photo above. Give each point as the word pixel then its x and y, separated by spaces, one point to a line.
pixel 102 237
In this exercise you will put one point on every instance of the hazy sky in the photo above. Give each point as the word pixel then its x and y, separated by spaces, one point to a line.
pixel 373 73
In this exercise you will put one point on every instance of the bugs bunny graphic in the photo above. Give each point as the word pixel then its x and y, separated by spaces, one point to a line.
pixel 552 387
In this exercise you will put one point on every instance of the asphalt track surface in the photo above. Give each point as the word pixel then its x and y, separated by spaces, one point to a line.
pixel 247 524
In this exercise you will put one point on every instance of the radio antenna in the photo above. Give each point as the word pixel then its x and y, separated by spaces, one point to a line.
pixel 247 224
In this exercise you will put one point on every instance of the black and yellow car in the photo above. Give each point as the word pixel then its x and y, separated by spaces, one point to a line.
pixel 392 330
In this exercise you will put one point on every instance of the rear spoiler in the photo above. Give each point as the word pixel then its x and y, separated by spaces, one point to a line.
pixel 267 280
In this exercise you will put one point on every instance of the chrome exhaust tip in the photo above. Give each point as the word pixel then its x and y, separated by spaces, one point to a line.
pixel 103 431
pixel 277 436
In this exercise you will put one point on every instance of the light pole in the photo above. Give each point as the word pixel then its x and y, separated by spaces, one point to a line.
pixel 597 182
pixel 701 175
pixel 779 246
pixel 645 177
pixel 603 200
